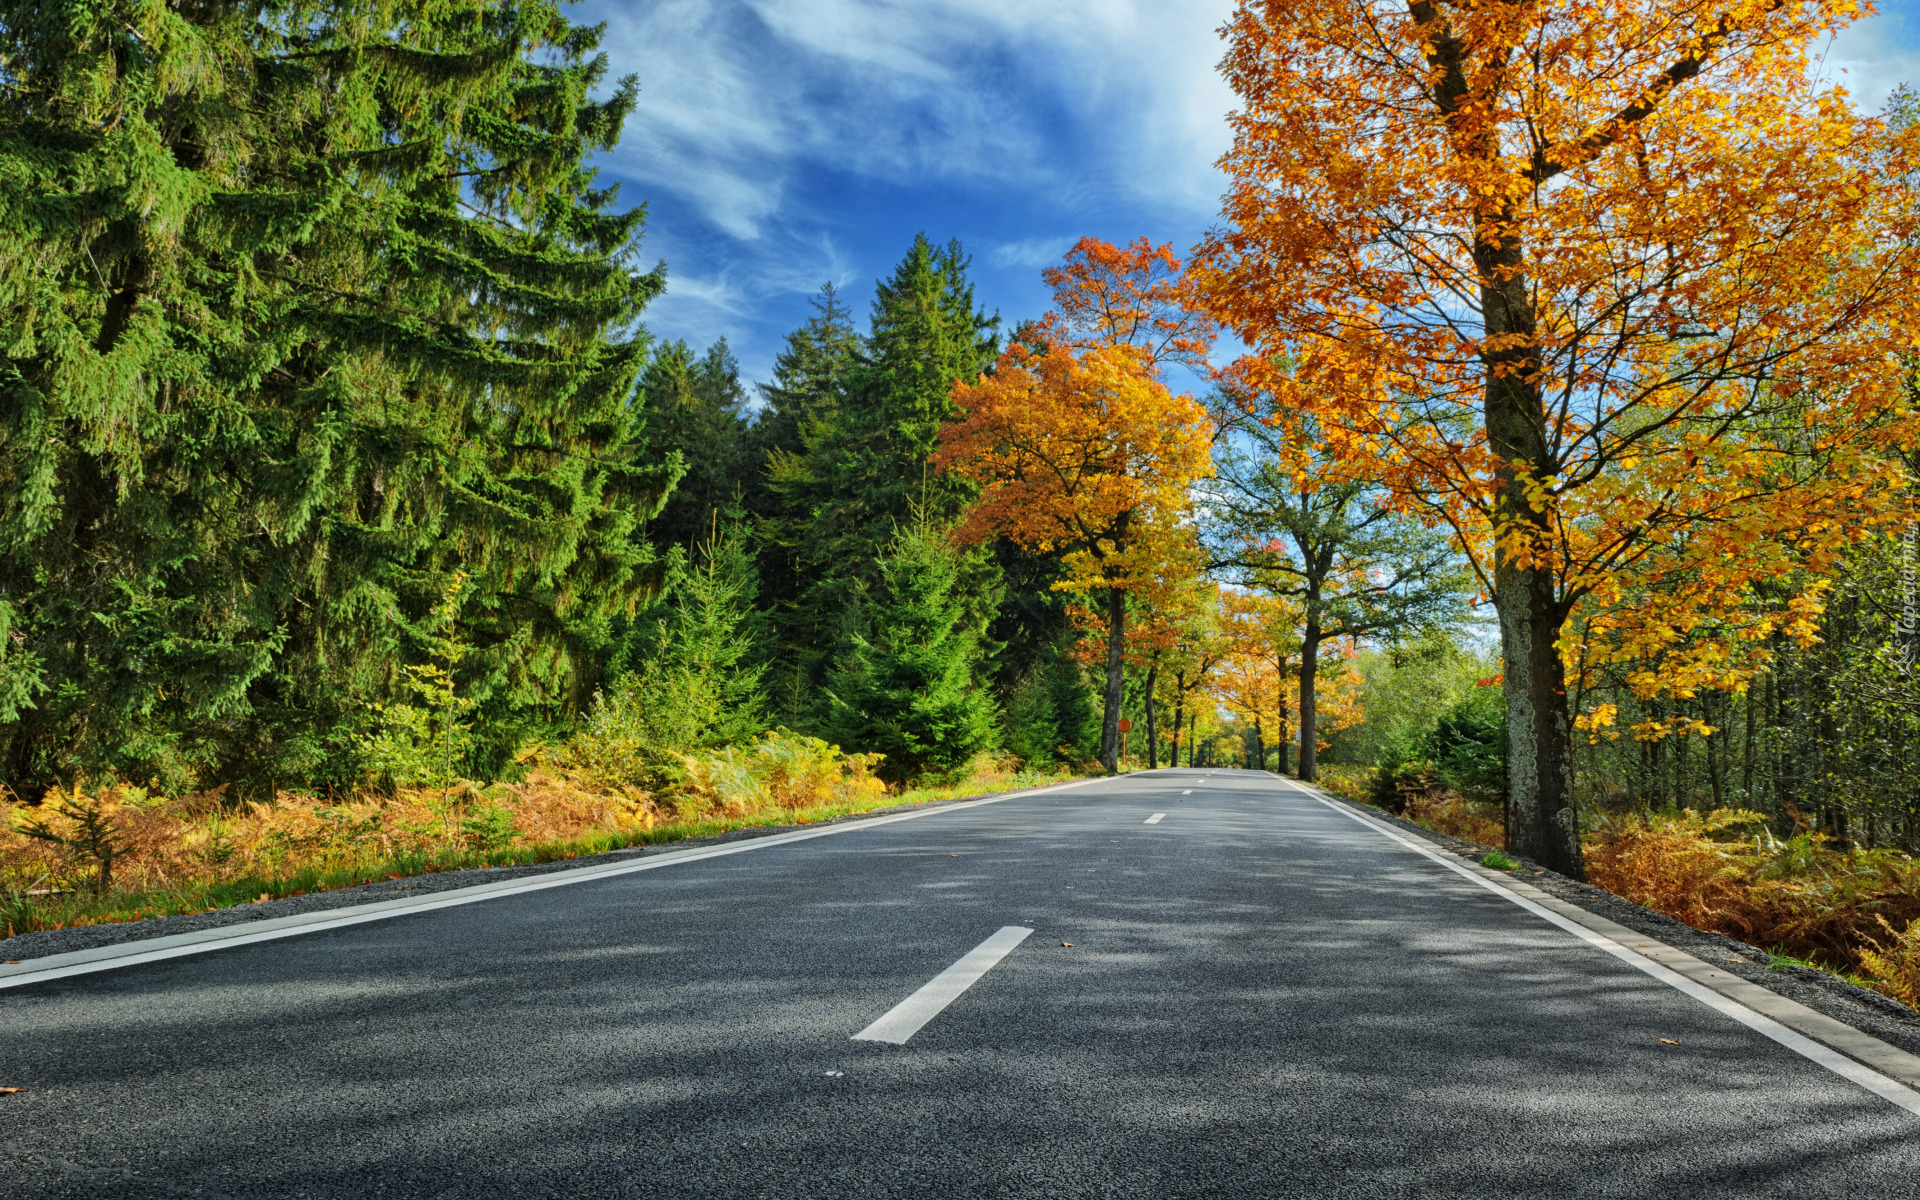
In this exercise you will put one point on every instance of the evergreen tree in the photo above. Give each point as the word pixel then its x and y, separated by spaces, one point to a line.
pixel 903 681
pixel 697 407
pixel 869 468
pixel 305 310
pixel 801 404
pixel 689 672
pixel 863 471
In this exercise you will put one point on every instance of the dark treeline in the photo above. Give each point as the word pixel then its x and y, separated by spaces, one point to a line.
pixel 313 320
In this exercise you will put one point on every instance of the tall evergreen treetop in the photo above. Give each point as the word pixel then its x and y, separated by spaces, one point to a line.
pixel 301 308
pixel 926 334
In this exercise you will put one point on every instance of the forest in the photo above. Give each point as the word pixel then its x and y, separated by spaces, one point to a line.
pixel 1556 491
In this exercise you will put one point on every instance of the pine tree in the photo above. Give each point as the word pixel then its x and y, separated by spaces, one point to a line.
pixel 694 680
pixel 696 405
pixel 305 310
pixel 863 472
pixel 903 682
pixel 802 402
pixel 869 468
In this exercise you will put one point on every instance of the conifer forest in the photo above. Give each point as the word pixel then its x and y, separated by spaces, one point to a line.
pixel 1538 466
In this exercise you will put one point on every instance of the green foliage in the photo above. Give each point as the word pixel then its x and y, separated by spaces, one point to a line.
pixel 300 308
pixel 904 683
pixel 1405 689
pixel 698 682
pixel 1468 745
pixel 696 405
pixel 1052 716
pixel 1497 861
pixel 848 448
pixel 487 828
pixel 426 743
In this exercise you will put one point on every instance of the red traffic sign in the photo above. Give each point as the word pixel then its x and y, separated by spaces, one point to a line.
pixel 1126 726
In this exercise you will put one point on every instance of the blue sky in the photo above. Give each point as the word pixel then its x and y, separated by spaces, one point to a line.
pixel 782 144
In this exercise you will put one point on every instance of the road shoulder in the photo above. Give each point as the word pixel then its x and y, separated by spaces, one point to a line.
pixel 1870 1028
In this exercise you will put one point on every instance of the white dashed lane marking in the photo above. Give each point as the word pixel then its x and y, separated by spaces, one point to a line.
pixel 1154 819
pixel 943 989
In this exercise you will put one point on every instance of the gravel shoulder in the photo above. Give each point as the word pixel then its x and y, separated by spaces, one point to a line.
pixel 43 942
pixel 1868 1011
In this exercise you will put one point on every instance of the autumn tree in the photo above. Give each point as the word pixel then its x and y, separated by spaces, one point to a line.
pixel 1614 290
pixel 1289 520
pixel 1088 455
pixel 1260 636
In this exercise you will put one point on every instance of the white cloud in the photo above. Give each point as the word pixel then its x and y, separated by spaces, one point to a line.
pixel 1032 253
pixel 1871 58
pixel 737 93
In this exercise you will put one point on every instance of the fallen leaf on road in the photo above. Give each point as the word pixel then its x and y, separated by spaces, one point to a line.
pixel 953 856
pixel 11 1091
pixel 1067 944
pixel 1670 1041
pixel 13 962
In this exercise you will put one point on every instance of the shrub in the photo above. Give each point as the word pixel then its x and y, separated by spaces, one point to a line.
pixel 784 769
pixel 1896 966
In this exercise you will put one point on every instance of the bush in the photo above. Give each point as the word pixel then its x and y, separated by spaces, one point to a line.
pixel 1725 871
pixel 1468 746
pixel 784 770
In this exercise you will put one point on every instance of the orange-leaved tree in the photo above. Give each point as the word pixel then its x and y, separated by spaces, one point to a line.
pixel 1106 295
pixel 1089 455
pixel 1617 290
pixel 1261 636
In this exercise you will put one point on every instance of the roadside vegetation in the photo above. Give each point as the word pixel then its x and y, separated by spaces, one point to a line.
pixel 122 854
pixel 352 522
pixel 1777 881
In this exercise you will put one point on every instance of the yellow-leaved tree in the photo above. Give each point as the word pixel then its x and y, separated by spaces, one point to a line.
pixel 1089 455
pixel 1618 291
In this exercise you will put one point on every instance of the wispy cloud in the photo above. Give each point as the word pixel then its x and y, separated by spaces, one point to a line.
pixel 779 141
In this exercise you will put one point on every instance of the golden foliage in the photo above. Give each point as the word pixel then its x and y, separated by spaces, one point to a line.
pixel 1680 261
pixel 1723 871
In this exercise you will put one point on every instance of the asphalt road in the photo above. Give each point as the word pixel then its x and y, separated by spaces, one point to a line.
pixel 1261 998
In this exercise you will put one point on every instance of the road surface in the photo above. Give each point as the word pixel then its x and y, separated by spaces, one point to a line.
pixel 1262 997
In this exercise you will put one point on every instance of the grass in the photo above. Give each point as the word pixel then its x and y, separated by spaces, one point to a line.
pixel 1499 862
pixel 321 870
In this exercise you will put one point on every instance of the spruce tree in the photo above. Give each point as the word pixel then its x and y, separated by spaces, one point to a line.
pixel 862 471
pixel 801 404
pixel 869 468
pixel 903 681
pixel 688 673
pixel 302 310
pixel 696 405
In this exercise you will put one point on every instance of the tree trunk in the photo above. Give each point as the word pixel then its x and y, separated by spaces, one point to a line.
pixel 1153 728
pixel 1541 821
pixel 1259 747
pixel 1116 676
pixel 1309 708
pixel 1280 739
pixel 1179 715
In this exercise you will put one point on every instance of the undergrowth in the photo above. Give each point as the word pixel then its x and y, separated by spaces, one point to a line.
pixel 201 853
pixel 1811 902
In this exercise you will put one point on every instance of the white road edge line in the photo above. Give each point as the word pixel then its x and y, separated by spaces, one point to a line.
pixel 127 954
pixel 1188 792
pixel 1894 1093
pixel 905 1018
pixel 1154 819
